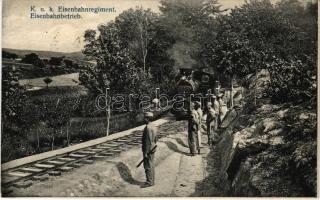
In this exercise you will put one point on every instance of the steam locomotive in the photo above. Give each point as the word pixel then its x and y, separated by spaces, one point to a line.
pixel 192 84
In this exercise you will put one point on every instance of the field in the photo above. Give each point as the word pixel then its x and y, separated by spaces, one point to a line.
pixel 63 87
pixel 61 80
pixel 85 121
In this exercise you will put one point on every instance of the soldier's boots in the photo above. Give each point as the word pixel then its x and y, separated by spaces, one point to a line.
pixel 147 184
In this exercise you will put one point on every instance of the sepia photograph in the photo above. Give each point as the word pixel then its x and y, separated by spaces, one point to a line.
pixel 159 98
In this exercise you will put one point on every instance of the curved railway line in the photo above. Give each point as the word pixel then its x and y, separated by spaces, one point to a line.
pixel 39 170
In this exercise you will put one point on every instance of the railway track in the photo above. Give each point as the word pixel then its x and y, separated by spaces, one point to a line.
pixel 24 175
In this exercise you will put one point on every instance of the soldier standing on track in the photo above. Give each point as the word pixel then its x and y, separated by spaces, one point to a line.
pixel 200 114
pixel 193 125
pixel 149 140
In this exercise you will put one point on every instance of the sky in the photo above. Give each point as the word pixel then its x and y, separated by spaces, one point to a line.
pixel 21 32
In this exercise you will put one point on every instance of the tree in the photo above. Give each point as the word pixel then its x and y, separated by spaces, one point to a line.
pixel 251 37
pixel 68 63
pixel 31 116
pixel 34 59
pixel 144 34
pixel 293 81
pixel 47 81
pixel 56 61
pixel 9 55
pixel 135 29
pixel 115 68
pixel 191 24
pixel 13 97
pixel 160 61
pixel 56 114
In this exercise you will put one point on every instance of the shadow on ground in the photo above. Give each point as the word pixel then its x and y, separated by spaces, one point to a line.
pixel 126 175
pixel 181 142
pixel 210 186
pixel 172 146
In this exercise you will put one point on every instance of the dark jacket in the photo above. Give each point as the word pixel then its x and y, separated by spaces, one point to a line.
pixel 149 139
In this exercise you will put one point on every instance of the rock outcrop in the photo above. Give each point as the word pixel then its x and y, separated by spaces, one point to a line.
pixel 270 150
pixel 258 154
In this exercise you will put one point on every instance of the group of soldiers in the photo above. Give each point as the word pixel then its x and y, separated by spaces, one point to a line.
pixel 209 120
pixel 214 112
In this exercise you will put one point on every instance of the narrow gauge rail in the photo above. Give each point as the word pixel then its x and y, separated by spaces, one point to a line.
pixel 54 166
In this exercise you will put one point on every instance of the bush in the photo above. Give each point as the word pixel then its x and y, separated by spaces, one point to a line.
pixel 292 81
pixel 301 137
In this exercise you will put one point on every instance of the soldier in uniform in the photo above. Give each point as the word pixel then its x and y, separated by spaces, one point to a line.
pixel 219 104
pixel 193 125
pixel 216 107
pixel 210 122
pixel 149 140
pixel 200 114
pixel 223 109
pixel 216 104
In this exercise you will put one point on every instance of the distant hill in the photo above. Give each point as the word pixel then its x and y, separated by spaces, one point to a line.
pixel 46 54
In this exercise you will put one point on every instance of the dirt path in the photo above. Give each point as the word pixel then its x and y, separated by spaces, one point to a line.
pixel 177 174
